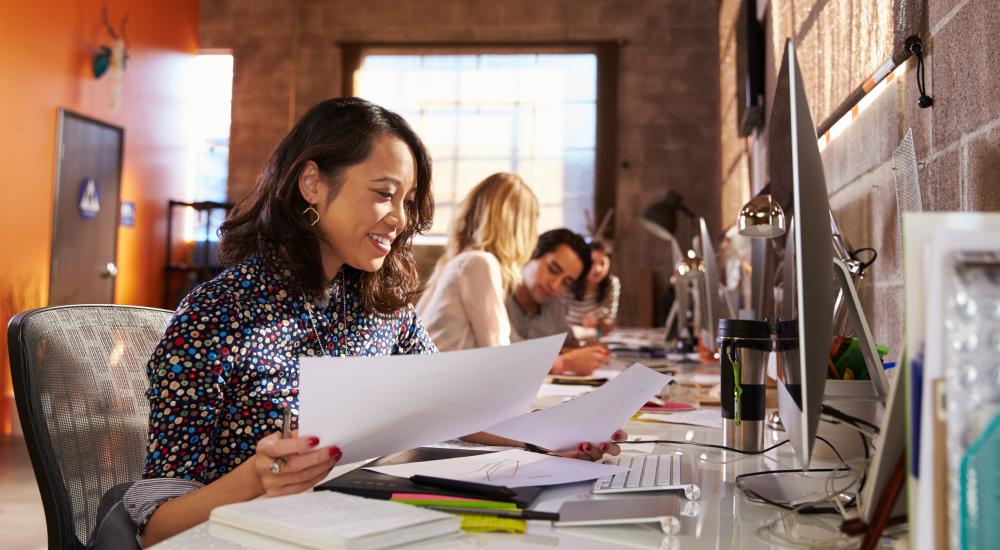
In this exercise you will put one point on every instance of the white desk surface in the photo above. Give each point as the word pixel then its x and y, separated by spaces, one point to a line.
pixel 721 519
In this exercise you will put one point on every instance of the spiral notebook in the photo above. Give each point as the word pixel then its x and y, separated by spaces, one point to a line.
pixel 325 519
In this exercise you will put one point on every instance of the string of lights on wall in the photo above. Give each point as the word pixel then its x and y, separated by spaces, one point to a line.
pixel 865 95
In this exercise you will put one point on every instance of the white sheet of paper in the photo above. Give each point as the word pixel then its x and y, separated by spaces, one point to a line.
pixel 639 448
pixel 513 468
pixel 592 417
pixel 710 418
pixel 706 378
pixel 373 406
pixel 606 372
pixel 563 390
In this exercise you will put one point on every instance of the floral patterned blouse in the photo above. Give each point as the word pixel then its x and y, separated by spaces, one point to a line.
pixel 227 367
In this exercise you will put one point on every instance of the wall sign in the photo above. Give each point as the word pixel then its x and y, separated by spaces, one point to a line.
pixel 127 214
pixel 89 203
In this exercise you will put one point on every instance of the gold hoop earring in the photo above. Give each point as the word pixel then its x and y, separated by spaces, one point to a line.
pixel 314 212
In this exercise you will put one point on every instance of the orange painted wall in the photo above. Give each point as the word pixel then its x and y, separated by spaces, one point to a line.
pixel 45 52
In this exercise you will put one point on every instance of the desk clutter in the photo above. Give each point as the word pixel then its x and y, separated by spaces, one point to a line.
pixel 503 490
pixel 512 469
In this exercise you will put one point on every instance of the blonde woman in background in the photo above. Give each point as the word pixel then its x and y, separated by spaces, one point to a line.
pixel 491 237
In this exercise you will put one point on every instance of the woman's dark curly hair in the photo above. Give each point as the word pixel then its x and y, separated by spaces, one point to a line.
pixel 335 134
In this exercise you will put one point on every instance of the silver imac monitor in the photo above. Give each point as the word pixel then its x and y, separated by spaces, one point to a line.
pixel 802 379
pixel 712 309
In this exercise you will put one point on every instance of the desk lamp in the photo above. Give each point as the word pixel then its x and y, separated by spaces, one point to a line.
pixel 762 218
pixel 663 214
pixel 690 267
pixel 660 219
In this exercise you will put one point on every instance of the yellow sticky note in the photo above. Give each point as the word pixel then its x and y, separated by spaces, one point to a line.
pixel 483 524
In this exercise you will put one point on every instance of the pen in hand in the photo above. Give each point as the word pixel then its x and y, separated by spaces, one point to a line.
pixel 286 432
pixel 286 424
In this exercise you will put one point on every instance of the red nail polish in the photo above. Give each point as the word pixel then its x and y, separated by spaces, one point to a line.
pixel 335 453
pixel 313 441
pixel 587 447
pixel 605 447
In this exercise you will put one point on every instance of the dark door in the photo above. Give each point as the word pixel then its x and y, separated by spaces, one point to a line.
pixel 85 224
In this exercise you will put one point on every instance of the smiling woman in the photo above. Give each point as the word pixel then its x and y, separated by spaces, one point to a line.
pixel 318 263
pixel 377 169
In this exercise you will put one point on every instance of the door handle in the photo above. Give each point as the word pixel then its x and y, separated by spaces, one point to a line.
pixel 110 271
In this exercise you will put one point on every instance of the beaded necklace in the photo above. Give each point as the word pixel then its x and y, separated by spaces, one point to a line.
pixel 339 290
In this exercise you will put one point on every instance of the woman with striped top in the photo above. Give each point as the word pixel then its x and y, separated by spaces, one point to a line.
pixel 594 304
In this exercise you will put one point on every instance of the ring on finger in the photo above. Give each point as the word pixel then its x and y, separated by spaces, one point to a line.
pixel 277 464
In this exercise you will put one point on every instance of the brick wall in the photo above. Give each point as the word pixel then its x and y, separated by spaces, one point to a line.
pixel 840 42
pixel 287 58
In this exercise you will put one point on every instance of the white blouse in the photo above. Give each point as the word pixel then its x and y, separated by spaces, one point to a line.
pixel 463 304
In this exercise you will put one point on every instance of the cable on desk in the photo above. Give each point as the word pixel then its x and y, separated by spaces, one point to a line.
pixel 710 445
pixel 842 416
pixel 832 448
pixel 790 535
pixel 864 475
pixel 754 495
pixel 864 440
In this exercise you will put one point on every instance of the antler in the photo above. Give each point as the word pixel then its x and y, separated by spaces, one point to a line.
pixel 111 30
pixel 122 30
pixel 589 220
pixel 107 24
pixel 604 224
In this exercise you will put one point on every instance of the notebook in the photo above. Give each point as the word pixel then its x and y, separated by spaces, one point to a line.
pixel 327 519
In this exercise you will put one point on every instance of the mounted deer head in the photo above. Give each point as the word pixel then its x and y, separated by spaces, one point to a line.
pixel 106 55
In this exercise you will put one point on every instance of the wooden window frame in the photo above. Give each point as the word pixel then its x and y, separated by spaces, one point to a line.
pixel 606 132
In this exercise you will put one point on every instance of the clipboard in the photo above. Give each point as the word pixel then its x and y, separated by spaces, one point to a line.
pixel 365 483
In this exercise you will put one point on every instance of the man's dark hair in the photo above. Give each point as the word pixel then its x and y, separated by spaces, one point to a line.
pixel 553 239
pixel 335 134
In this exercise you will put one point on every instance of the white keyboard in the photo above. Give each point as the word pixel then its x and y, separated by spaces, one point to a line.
pixel 647 473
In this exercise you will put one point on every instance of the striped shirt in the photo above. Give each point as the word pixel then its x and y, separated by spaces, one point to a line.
pixel 576 310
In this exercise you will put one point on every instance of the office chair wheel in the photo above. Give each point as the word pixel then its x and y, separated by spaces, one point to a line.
pixel 692 492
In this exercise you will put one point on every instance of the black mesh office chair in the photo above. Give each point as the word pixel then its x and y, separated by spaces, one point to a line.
pixel 79 376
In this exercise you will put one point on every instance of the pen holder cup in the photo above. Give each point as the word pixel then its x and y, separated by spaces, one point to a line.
pixel 856 398
pixel 744 348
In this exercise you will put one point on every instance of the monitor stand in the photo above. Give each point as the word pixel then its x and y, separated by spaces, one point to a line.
pixel 873 362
